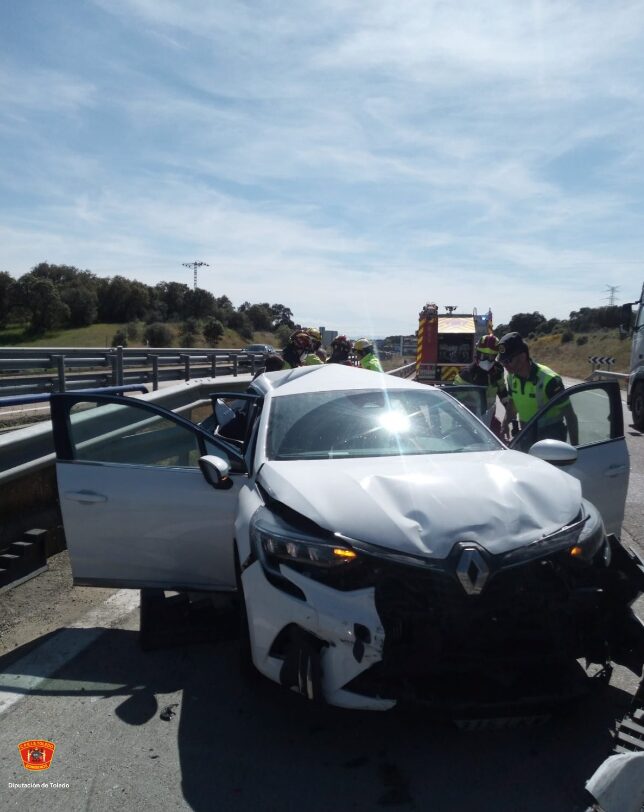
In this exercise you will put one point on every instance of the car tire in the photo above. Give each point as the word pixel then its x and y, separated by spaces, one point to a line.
pixel 246 666
pixel 637 406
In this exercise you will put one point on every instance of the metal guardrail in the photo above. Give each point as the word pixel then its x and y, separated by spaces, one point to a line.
pixel 404 371
pixel 599 374
pixel 33 371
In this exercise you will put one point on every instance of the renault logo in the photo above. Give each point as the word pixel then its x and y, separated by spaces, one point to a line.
pixel 472 571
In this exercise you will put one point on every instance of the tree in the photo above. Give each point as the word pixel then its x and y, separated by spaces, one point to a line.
pixel 213 332
pixel 158 335
pixel 38 297
pixel 82 301
pixel 7 285
pixel 198 304
pixel 123 300
pixel 525 323
pixel 260 316
pixel 239 321
pixel 170 299
pixel 281 315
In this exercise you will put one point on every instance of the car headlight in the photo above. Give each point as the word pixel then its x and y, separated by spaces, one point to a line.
pixel 581 539
pixel 592 536
pixel 277 543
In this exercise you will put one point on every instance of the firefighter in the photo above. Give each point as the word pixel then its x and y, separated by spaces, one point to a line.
pixel 531 386
pixel 486 371
pixel 317 354
pixel 366 355
pixel 296 351
pixel 341 348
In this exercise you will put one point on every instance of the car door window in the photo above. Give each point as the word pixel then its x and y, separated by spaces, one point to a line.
pixel 581 418
pixel 130 433
pixel 473 397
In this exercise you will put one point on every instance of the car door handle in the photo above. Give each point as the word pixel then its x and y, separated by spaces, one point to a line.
pixel 85 497
pixel 615 470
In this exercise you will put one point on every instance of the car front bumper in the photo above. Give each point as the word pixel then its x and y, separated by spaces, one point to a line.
pixel 418 636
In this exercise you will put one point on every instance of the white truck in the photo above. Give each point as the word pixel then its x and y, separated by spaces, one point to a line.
pixel 635 396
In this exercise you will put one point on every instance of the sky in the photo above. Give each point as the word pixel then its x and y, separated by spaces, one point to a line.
pixel 350 160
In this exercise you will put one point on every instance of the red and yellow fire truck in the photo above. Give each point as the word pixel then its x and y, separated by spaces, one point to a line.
pixel 445 342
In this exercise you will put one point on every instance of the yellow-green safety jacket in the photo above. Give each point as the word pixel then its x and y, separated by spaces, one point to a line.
pixel 531 394
pixel 370 361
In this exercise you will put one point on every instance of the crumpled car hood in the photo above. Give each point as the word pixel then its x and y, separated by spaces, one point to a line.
pixel 425 504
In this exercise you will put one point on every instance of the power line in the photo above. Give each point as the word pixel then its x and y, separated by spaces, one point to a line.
pixel 194 265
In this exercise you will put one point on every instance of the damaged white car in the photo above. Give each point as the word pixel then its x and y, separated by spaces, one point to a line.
pixel 385 545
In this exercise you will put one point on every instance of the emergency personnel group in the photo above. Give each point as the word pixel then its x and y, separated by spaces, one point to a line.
pixel 304 348
pixel 502 366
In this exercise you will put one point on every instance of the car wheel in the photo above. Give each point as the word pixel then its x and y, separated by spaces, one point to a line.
pixel 245 651
pixel 637 406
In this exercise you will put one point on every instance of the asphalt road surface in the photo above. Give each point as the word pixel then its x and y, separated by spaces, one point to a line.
pixel 179 728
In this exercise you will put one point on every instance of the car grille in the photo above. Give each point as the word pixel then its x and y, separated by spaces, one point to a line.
pixel 529 620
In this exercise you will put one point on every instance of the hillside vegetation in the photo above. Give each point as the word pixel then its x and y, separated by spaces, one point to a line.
pixel 571 358
pixel 101 334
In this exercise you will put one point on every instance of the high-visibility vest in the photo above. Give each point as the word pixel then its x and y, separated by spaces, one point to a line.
pixel 311 359
pixel 529 396
pixel 370 361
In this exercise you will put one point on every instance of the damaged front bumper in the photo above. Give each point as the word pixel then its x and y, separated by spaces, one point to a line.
pixel 417 635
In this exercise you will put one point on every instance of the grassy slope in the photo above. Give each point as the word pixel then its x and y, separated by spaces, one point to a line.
pixel 100 335
pixel 572 360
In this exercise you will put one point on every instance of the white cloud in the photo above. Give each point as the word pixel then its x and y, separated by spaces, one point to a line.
pixel 350 160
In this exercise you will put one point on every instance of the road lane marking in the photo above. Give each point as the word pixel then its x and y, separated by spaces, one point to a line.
pixel 27 673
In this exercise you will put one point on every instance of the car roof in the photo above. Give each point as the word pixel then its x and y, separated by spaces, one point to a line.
pixel 327 377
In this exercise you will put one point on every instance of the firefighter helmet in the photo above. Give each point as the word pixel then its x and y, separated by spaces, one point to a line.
pixel 301 341
pixel 342 343
pixel 363 346
pixel 488 345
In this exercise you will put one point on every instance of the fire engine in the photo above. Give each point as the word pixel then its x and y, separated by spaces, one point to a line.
pixel 446 342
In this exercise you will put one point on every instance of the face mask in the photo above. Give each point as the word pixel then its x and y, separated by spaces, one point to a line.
pixel 486 365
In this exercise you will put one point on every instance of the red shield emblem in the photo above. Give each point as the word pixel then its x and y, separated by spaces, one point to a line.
pixel 36 754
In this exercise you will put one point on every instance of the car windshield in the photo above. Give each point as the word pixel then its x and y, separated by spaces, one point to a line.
pixel 378 423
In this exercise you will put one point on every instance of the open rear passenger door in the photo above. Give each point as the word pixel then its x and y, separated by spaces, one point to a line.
pixel 148 498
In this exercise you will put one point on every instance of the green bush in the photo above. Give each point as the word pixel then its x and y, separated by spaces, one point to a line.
pixel 158 335
pixel 119 339
pixel 567 337
pixel 581 340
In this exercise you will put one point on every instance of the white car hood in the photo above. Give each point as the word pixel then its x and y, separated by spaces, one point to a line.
pixel 425 504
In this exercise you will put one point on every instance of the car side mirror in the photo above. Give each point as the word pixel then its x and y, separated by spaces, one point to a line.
pixel 555 452
pixel 215 471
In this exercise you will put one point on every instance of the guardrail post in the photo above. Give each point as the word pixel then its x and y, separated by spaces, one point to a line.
pixel 213 365
pixel 155 371
pixel 114 364
pixel 235 364
pixel 60 366
pixel 186 366
pixel 119 366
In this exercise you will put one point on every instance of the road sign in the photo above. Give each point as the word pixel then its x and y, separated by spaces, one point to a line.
pixel 601 360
